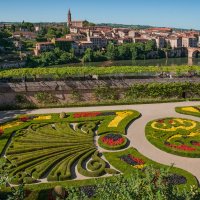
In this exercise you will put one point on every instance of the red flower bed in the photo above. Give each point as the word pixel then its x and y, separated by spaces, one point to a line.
pixel 1 132
pixel 181 147
pixel 131 160
pixel 111 142
pixel 86 114
pixel 113 139
pixel 195 143
pixel 24 119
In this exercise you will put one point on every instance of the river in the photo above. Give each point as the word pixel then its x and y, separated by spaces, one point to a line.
pixel 152 62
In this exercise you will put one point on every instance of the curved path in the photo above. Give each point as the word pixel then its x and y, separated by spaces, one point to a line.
pixel 136 131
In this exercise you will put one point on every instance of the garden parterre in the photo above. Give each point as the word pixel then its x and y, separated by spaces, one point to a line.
pixel 47 146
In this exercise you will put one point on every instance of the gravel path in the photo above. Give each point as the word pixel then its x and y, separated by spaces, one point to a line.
pixel 136 131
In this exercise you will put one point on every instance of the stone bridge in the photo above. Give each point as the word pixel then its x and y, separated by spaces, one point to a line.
pixel 193 52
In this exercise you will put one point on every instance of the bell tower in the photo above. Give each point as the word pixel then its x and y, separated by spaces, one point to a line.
pixel 69 18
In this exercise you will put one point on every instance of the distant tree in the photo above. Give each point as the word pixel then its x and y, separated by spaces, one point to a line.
pixel 27 25
pixel 112 52
pixel 13 28
pixel 86 23
pixel 150 46
pixel 88 55
pixel 54 33
pixel 99 56
pixel 124 52
pixel 66 30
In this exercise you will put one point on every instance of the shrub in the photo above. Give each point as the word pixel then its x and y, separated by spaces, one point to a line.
pixel 44 97
pixel 62 115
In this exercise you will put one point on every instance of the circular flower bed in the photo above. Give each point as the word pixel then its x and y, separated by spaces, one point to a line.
pixel 175 135
pixel 112 141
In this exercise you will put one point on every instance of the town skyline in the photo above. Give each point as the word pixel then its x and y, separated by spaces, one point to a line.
pixel 155 14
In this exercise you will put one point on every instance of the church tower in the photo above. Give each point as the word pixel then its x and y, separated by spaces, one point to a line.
pixel 69 18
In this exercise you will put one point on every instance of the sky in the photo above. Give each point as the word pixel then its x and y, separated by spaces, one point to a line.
pixel 163 13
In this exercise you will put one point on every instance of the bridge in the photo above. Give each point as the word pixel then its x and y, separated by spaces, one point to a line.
pixel 193 52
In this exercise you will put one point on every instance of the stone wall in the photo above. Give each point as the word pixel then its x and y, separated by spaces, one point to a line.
pixel 63 90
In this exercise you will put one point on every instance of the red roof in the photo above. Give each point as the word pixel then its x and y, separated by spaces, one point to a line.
pixel 160 29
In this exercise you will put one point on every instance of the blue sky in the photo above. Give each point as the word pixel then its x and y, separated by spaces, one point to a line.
pixel 170 13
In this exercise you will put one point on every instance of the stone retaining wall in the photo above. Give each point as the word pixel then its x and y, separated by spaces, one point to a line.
pixel 63 90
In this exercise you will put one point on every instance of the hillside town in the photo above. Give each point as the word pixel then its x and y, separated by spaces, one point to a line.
pixel 97 37
pixel 78 36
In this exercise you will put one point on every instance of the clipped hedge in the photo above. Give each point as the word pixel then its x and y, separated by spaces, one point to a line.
pixel 96 172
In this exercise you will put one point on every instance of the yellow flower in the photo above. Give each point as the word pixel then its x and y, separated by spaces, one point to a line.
pixel 139 166
pixel 43 117
pixel 120 116
pixel 190 109
pixel 174 128
pixel 174 136
pixel 10 125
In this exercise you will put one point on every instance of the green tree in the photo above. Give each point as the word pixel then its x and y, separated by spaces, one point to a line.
pixel 99 56
pixel 112 52
pixel 88 55
pixel 150 46
pixel 124 52
pixel 27 25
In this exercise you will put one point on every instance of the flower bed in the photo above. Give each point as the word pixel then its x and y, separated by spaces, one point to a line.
pixel 176 179
pixel 190 110
pixel 175 135
pixel 43 117
pixel 133 161
pixel 112 141
pixel 86 114
pixel 120 116
pixel 125 161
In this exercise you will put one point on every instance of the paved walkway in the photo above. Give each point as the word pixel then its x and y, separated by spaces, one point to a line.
pixel 136 132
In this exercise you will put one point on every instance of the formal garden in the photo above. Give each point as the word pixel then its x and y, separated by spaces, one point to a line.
pixel 82 155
